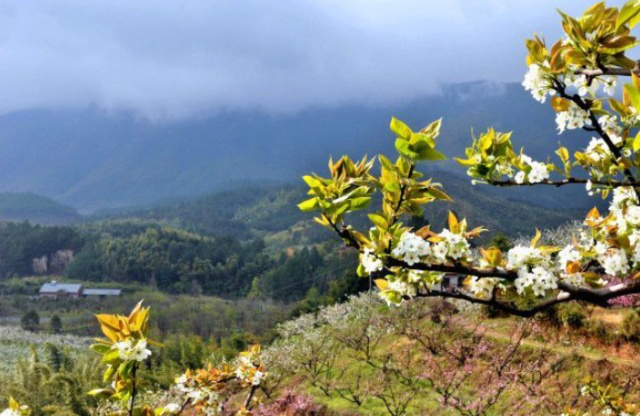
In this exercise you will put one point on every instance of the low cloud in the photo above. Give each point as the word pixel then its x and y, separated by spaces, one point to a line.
pixel 178 59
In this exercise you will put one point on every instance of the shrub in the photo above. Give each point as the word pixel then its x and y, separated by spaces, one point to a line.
pixel 55 324
pixel 572 316
pixel 631 326
pixel 30 320
pixel 598 329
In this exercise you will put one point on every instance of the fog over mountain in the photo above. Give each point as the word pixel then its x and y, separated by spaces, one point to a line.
pixel 176 60
pixel 93 159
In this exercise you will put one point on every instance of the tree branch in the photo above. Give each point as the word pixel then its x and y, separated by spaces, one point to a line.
pixel 562 182
pixel 595 124
pixel 625 72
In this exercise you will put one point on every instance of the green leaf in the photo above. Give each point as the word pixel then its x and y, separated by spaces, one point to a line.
pixel 429 153
pixel 100 392
pixel 379 221
pixel 101 348
pixel 636 142
pixel 111 356
pixel 629 11
pixel 359 203
pixel 404 148
pixel 433 129
pixel 308 205
pixel 400 129
pixel 634 95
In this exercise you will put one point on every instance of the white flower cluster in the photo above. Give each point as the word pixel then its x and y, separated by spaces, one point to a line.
pixel 538 172
pixel 573 118
pixel 614 261
pixel 632 120
pixel 133 352
pixel 521 256
pixel 207 397
pixel 370 262
pixel 537 81
pixel 623 196
pixel 568 255
pixel 581 82
pixel 482 288
pixel 170 409
pixel 533 270
pixel 598 150
pixel 610 125
pixel 453 246
pixel 403 288
pixel 411 248
pixel 538 279
pixel 407 283
pixel 10 412
pixel 247 372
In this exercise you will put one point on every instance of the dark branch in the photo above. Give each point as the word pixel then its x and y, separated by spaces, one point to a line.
pixel 595 126
pixel 599 297
pixel 624 72
pixel 562 182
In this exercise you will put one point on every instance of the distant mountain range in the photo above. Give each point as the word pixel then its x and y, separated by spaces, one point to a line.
pixel 94 160
pixel 36 209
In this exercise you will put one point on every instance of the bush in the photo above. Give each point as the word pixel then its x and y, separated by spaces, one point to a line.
pixel 598 329
pixel 30 320
pixel 55 324
pixel 572 315
pixel 631 326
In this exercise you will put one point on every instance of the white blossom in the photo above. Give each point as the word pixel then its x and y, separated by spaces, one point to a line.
pixel 538 279
pixel 411 248
pixel 614 262
pixel 520 256
pixel 573 118
pixel 598 150
pixel 536 81
pixel 482 288
pixel 133 352
pixel 370 262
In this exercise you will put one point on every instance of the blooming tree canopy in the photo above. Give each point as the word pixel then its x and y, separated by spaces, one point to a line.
pixel 578 75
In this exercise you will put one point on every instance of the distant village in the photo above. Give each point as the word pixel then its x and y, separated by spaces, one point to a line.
pixel 55 289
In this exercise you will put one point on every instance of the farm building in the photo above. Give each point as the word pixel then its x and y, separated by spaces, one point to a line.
pixel 56 289
pixel 101 292
pixel 61 290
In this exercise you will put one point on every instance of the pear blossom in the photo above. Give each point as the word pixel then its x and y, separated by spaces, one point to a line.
pixel 133 352
pixel 610 125
pixel 609 84
pixel 520 256
pixel 370 262
pixel 537 81
pixel 411 248
pixel 482 288
pixel 538 279
pixel 614 262
pixel 573 118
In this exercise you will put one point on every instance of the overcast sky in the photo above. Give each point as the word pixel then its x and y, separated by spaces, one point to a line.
pixel 180 58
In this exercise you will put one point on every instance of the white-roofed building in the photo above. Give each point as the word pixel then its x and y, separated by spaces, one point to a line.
pixel 56 289
pixel 101 292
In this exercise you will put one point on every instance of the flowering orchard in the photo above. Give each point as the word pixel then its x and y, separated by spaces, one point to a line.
pixel 208 391
pixel 578 75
